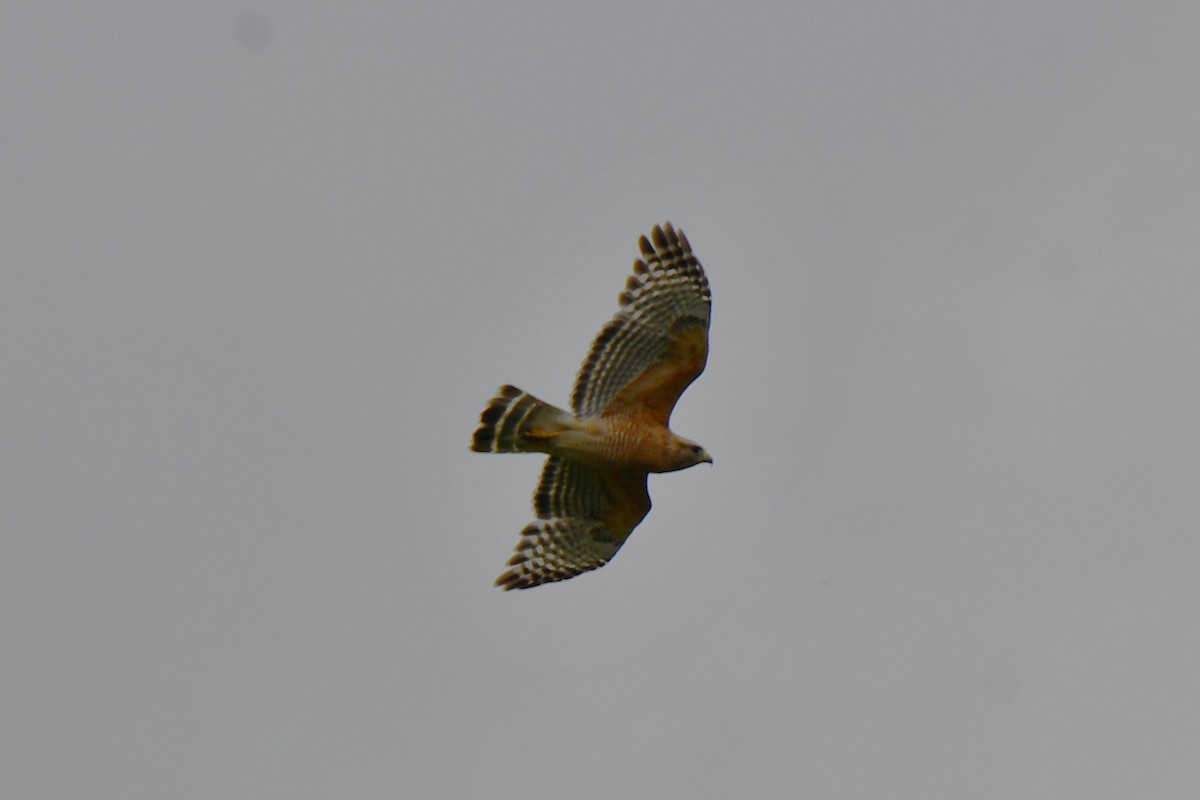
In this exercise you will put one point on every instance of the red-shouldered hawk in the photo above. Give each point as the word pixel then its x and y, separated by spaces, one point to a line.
pixel 593 493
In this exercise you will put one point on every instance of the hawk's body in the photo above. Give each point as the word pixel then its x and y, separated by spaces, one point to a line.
pixel 592 493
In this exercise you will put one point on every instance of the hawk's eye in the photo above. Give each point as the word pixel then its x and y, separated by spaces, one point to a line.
pixel 697 448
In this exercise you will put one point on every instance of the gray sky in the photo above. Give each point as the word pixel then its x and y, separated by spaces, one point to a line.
pixel 265 264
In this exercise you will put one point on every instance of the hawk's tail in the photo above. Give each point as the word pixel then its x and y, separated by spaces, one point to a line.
pixel 517 422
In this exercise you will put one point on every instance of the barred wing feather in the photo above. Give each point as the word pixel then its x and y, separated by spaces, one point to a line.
pixel 583 519
pixel 657 343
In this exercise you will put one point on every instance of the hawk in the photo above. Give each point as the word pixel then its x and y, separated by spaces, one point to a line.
pixel 592 492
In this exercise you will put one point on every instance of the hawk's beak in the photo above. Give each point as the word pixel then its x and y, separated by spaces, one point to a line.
pixel 707 458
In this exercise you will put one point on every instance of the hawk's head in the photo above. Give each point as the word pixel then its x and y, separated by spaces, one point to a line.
pixel 684 454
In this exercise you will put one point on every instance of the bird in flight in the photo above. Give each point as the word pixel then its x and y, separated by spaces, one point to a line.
pixel 593 491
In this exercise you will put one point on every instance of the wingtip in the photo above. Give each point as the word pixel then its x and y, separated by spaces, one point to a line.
pixel 658 236
pixel 513 580
pixel 664 236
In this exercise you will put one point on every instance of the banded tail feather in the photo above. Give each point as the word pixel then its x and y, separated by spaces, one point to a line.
pixel 517 422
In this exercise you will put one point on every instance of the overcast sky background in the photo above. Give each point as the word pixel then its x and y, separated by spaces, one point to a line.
pixel 264 264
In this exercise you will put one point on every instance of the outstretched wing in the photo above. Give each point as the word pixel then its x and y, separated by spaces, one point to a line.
pixel 657 343
pixel 583 519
